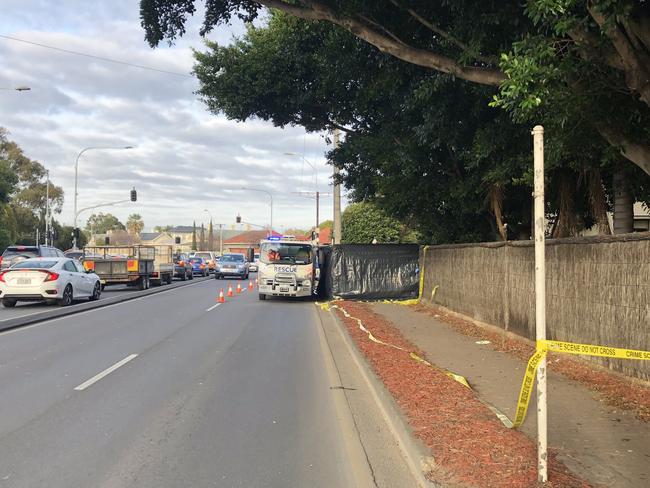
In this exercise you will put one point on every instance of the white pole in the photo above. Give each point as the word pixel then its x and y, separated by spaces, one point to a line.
pixel 540 300
pixel 47 209
pixel 336 237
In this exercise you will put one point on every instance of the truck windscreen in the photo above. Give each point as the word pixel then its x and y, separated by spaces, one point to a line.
pixel 282 253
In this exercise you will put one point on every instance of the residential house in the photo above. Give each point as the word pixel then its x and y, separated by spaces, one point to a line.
pixel 244 241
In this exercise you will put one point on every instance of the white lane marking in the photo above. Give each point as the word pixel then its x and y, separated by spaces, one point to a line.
pixel 78 314
pixel 212 307
pixel 106 372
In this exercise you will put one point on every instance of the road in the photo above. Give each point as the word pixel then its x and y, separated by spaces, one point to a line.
pixel 171 390
pixel 28 308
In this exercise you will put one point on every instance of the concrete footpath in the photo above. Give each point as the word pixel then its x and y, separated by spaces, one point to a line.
pixel 607 446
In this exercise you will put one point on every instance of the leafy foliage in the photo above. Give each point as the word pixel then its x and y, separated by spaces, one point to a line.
pixel 363 223
pixel 135 224
pixel 101 223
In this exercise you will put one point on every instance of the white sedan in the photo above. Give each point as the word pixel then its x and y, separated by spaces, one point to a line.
pixel 37 279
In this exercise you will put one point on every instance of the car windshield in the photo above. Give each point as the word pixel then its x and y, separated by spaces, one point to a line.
pixel 36 264
pixel 232 258
pixel 203 255
pixel 276 252
pixel 25 253
pixel 196 260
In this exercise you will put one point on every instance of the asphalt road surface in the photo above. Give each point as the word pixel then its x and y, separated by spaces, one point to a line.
pixel 171 390
pixel 28 308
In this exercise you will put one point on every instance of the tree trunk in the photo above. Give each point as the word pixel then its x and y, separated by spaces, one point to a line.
pixel 623 204
pixel 495 196
pixel 597 201
pixel 566 224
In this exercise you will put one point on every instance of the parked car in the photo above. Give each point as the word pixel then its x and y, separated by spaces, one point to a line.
pixel 48 278
pixel 209 257
pixel 15 254
pixel 77 254
pixel 199 266
pixel 232 264
pixel 254 266
pixel 183 267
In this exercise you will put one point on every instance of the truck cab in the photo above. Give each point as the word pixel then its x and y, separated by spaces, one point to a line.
pixel 288 267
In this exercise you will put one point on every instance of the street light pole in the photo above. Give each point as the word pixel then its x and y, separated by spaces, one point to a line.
pixel 270 196
pixel 76 174
pixel 315 182
pixel 337 197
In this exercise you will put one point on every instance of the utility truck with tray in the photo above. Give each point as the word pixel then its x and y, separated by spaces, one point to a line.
pixel 121 265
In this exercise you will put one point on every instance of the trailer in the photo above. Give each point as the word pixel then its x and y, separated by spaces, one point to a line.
pixel 121 265
pixel 163 265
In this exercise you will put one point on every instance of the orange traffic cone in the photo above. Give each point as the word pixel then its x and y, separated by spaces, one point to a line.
pixel 221 297
pixel 250 285
pixel 238 288
pixel 229 290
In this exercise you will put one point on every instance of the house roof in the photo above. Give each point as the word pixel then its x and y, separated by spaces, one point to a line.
pixel 249 237
pixel 325 236
pixel 149 236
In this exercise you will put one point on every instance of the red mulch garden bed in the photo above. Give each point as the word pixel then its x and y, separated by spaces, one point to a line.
pixel 471 447
pixel 615 390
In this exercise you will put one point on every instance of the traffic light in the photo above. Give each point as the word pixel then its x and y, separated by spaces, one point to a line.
pixel 107 240
pixel 134 195
pixel 238 218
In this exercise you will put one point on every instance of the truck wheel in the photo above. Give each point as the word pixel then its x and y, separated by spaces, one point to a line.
pixel 169 279
pixel 262 296
pixel 144 283
pixel 191 275
pixel 184 276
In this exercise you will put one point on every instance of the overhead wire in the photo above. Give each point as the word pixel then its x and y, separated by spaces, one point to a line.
pixel 100 58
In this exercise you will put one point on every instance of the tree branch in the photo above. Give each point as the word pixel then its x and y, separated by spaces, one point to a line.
pixel 383 42
pixel 444 34
pixel 639 154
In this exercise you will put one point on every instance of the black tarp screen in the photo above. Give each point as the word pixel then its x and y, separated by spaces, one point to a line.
pixel 372 271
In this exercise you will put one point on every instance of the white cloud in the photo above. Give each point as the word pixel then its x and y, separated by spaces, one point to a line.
pixel 185 159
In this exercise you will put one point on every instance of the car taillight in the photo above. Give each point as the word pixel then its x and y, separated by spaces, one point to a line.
pixel 181 263
pixel 202 266
pixel 51 276
pixel 2 276
pixel 0 259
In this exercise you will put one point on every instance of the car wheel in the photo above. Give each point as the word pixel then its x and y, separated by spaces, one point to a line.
pixel 246 276
pixel 67 297
pixel 7 302
pixel 97 291
pixel 262 296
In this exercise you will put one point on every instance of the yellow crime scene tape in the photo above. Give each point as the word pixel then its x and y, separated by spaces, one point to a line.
pixel 544 346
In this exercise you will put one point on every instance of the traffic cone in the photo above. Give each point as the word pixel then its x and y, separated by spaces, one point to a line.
pixel 221 297
pixel 250 285
pixel 238 288
pixel 229 290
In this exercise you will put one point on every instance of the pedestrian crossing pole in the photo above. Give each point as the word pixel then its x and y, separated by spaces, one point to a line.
pixel 540 299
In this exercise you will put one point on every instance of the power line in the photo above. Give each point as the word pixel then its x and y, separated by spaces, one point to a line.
pixel 100 58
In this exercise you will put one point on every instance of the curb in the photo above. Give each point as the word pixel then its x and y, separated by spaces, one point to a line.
pixel 416 454
pixel 18 322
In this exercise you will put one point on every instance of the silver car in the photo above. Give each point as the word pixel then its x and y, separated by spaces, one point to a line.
pixel 232 264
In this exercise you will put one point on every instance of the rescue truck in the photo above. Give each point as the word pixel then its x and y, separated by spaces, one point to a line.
pixel 288 268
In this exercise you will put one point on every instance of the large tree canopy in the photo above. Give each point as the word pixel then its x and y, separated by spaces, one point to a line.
pixel 546 55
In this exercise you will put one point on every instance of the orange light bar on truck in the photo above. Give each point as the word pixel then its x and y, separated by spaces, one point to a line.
pixel 132 265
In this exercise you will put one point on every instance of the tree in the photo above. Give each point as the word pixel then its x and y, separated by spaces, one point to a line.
pixel 202 238
pixel 25 179
pixel 163 228
pixel 135 224
pixel 63 239
pixel 326 224
pixel 210 237
pixel 596 51
pixel 361 223
pixel 101 223
pixel 194 236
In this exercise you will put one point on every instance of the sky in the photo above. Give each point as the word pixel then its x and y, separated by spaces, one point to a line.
pixel 184 161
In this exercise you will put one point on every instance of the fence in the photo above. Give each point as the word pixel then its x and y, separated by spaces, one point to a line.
pixel 597 289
